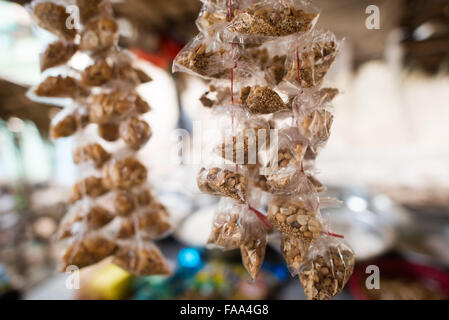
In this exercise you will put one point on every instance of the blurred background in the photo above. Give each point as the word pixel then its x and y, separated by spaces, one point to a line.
pixel 387 159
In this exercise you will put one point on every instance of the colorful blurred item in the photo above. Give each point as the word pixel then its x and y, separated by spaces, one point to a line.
pixel 401 280
pixel 7 292
pixel 105 281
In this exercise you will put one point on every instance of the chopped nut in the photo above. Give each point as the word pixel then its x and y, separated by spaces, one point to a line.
pixel 135 133
pixel 294 250
pixel 144 261
pixel 227 231
pixel 253 254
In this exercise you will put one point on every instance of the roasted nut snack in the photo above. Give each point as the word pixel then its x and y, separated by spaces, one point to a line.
pixel 261 100
pixel 105 108
pixel 141 260
pixel 53 18
pixel 56 54
pixel 124 203
pixel 124 174
pixel 91 8
pixel 68 124
pixel 204 62
pixel 263 20
pixel 294 251
pixel 317 125
pixel 99 34
pixel 292 217
pixel 135 133
pixel 93 152
pixel 92 187
pixel 87 251
pixel 253 253
pixel 325 273
pixel 314 64
pixel 223 182
pixel 275 70
pixel 96 218
pixel 227 230
pixel 63 87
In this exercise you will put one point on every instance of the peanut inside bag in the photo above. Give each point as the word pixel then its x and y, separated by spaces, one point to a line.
pixel 267 65
pixel 112 211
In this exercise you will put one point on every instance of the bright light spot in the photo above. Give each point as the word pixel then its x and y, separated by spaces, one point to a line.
pixel 423 32
pixel 357 204
pixel 189 258
pixel 15 124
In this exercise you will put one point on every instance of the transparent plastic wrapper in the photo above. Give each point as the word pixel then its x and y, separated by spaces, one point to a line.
pixel 90 9
pixel 141 259
pixel 216 96
pixel 124 173
pixel 261 100
pixel 316 125
pixel 92 187
pixel 115 105
pixel 86 249
pixel 297 215
pixel 93 153
pixel 227 229
pixel 224 181
pixel 99 35
pixel 294 251
pixel 207 58
pixel 327 268
pixel 115 69
pixel 254 244
pixel 265 21
pixel 68 121
pixel 135 132
pixel 315 58
pixel 61 87
pixel 56 54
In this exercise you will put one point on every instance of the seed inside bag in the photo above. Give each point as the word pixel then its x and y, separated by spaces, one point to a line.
pixel 292 218
pixel 56 54
pixel 223 182
pixel 294 251
pixel 325 275
pixel 53 18
pixel 92 152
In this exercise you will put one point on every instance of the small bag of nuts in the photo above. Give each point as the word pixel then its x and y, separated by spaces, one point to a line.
pixel 224 182
pixel 294 251
pixel 296 216
pixel 254 244
pixel 93 152
pixel 269 20
pixel 135 132
pixel 207 58
pixel 327 268
pixel 227 230
pixel 141 259
pixel 315 59
pixel 99 35
pixel 261 100
pixel 56 54
pixel 124 173
pixel 68 121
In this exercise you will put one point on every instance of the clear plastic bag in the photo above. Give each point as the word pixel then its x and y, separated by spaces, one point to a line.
pixel 141 259
pixel 254 244
pixel 294 251
pixel 327 268
pixel 315 56
pixel 265 20
pixel 227 229
pixel 57 54
pixel 224 181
